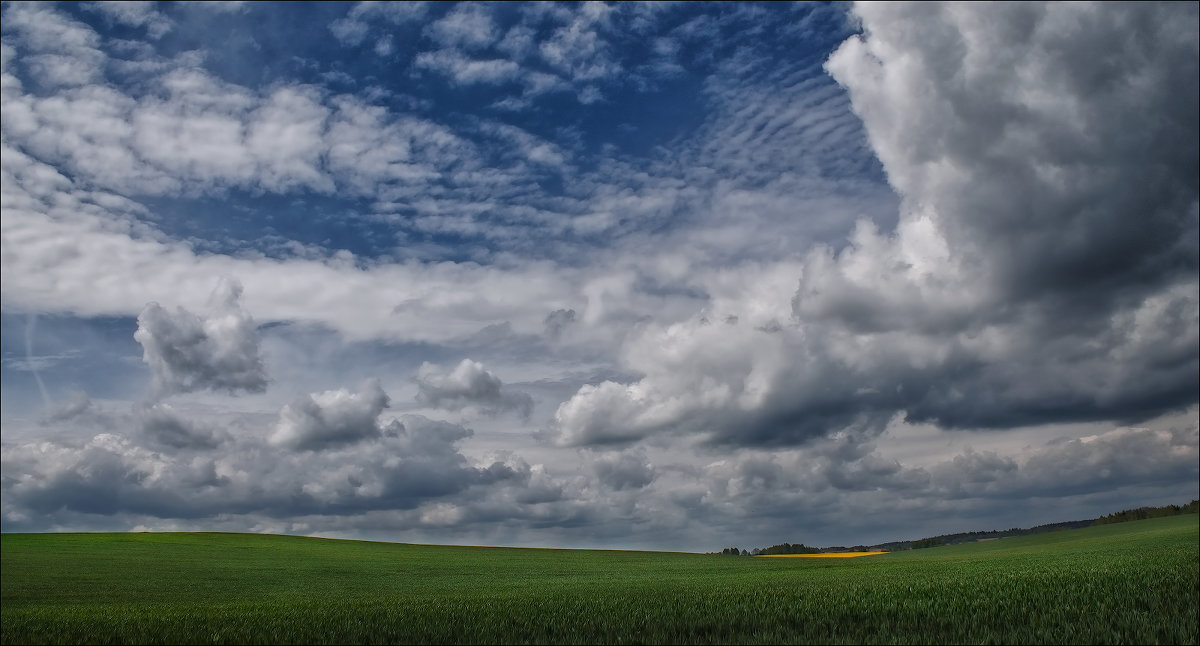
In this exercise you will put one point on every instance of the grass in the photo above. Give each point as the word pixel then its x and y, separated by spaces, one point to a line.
pixel 1133 582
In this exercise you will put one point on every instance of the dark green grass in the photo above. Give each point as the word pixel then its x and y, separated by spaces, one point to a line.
pixel 1127 583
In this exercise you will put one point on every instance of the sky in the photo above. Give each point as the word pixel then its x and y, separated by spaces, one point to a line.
pixel 669 276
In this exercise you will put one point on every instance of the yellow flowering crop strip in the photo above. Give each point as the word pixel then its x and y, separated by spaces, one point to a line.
pixel 827 555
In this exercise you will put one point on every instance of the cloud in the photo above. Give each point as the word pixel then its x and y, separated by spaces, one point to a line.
pixel 1122 457
pixel 78 405
pixel 1007 295
pixel 468 71
pixel 62 52
pixel 730 375
pixel 1042 107
pixel 165 427
pixel 557 323
pixel 468 25
pixel 179 468
pixel 134 14
pixel 624 470
pixel 86 252
pixel 331 418
pixel 353 29
pixel 468 385
pixel 187 353
pixel 578 50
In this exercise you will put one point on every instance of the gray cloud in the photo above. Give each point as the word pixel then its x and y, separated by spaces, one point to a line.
pixel 625 470
pixel 412 463
pixel 77 405
pixel 471 385
pixel 1017 144
pixel 557 322
pixel 332 418
pixel 1008 294
pixel 1034 217
pixel 166 428
pixel 834 481
pixel 187 353
pixel 414 482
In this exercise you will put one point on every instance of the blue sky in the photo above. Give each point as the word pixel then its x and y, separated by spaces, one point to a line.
pixel 667 276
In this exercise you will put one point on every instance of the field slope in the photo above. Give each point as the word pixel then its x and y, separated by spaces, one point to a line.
pixel 1135 582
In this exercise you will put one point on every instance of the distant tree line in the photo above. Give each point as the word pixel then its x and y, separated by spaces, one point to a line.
pixel 786 548
pixel 1142 513
pixel 970 537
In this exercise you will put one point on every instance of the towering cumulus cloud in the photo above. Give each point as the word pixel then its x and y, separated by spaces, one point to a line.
pixel 1043 267
pixel 1050 149
pixel 187 353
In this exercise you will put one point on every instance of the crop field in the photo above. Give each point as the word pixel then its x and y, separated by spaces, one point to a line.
pixel 1136 582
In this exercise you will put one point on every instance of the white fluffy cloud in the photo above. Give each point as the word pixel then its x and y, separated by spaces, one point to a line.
pixel 468 25
pixel 187 352
pixel 63 52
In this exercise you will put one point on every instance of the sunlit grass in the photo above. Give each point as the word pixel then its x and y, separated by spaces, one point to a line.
pixel 1128 583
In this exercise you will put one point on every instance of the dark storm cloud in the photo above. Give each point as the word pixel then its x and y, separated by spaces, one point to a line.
pixel 187 353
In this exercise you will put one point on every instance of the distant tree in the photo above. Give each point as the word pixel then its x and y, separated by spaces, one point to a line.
pixel 788 548
pixel 1142 513
pixel 927 542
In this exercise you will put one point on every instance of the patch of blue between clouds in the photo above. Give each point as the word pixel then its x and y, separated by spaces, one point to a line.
pixel 640 114
pixel 97 356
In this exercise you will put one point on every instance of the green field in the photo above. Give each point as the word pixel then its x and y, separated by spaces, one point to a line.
pixel 1136 582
